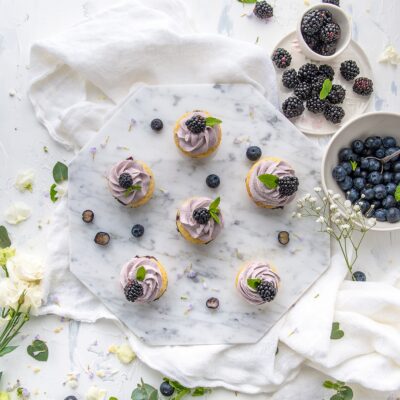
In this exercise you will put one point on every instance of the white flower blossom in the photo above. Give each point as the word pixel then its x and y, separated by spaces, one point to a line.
pixel 330 192
pixel 318 209
pixel 336 196
pixel 317 189
pixel 347 204
pixel 17 213
pixel 124 353
pixel 356 207
pixel 25 268
pixel 25 180
pixel 94 393
pixel 329 230
pixel 333 207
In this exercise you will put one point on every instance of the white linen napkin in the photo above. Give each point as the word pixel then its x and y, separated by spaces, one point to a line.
pixel 80 77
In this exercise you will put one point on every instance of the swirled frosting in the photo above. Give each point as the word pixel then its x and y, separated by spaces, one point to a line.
pixel 139 177
pixel 260 192
pixel 206 232
pixel 152 282
pixel 198 143
pixel 255 270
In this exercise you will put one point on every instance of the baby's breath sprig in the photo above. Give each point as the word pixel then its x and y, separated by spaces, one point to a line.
pixel 340 219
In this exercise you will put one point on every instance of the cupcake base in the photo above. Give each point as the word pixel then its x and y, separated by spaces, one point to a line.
pixel 164 276
pixel 186 234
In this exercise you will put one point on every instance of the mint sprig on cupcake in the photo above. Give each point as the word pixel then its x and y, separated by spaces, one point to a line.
pixel 287 185
pixel 141 273
pixel 266 290
pixel 131 189
pixel 202 215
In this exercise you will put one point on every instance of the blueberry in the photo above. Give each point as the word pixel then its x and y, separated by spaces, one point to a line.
pixel 369 194
pixel 364 174
pixel 380 192
pixel 393 215
pixel 339 173
pixel 373 165
pixel 375 178
pixel 137 230
pixel 377 204
pixel 390 151
pixel 380 214
pixel 389 201
pixel 346 184
pixel 396 166
pixel 364 163
pixel 346 154
pixel 387 166
pixel 156 124
pixel 396 178
pixel 389 141
pixel 380 153
pixel 387 177
pixel 357 173
pixel 166 389
pixel 359 276
pixel 70 398
pixel 359 183
pixel 391 188
pixel 353 195
pixel 347 167
pixel 212 181
pixel 253 153
pixel 373 142
pixel 364 205
pixel 357 146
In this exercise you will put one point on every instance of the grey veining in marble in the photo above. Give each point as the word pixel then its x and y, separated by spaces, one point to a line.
pixel 180 316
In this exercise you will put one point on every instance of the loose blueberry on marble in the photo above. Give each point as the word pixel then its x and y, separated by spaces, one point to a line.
pixel 156 124
pixel 87 216
pixel 359 276
pixel 137 230
pixel 70 398
pixel 253 153
pixel 393 215
pixel 102 238
pixel 283 237
pixel 212 181
pixel 212 303
pixel 166 389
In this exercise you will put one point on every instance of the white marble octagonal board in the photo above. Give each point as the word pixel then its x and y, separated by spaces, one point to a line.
pixel 180 316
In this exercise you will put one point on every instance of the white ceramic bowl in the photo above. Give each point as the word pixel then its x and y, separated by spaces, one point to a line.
pixel 375 123
pixel 341 18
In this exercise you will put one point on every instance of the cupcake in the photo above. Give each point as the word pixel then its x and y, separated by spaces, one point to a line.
pixel 258 282
pixel 199 220
pixel 271 183
pixel 143 279
pixel 131 182
pixel 197 134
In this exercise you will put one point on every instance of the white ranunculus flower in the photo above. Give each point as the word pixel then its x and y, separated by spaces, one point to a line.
pixel 94 393
pixel 33 297
pixel 25 180
pixel 28 269
pixel 17 213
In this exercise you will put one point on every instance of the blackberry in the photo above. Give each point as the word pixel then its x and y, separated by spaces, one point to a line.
pixel 334 2
pixel 349 70
pixel 263 10
pixel 312 22
pixel 315 105
pixel 303 90
pixel 156 124
pixel 326 16
pixel 201 215
pixel 327 49
pixel 281 58
pixel 337 94
pixel 363 86
pixel 289 78
pixel 327 71
pixel 307 72
pixel 125 180
pixel 311 41
pixel 330 33
pixel 266 290
pixel 288 185
pixel 334 114
pixel 292 107
pixel 196 124
pixel 212 181
pixel 133 290
pixel 317 84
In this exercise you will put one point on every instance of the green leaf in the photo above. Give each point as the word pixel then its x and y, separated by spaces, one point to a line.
pixel 7 350
pixel 211 121
pixel 38 350
pixel 346 392
pixel 112 398
pixel 248 1
pixel 214 204
pixel 4 238
pixel 397 193
pixel 269 180
pixel 328 385
pixel 182 393
pixel 144 392
pixel 354 165
pixel 215 217
pixel 326 89
pixel 141 273
pixel 60 172
pixel 131 189
pixel 200 391
pixel 253 283
pixel 337 396
pixel 53 192
pixel 336 332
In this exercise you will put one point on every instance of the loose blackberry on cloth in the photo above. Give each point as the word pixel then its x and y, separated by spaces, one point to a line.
pixel 78 85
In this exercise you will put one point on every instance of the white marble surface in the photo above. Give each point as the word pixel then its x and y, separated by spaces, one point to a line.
pixel 22 138
pixel 250 232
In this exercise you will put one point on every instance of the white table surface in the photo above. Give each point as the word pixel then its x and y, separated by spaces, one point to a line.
pixel 21 147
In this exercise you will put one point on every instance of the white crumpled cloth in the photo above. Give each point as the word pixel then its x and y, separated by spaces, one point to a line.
pixel 80 77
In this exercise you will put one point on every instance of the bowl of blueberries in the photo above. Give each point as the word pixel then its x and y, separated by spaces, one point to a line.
pixel 362 162
pixel 324 32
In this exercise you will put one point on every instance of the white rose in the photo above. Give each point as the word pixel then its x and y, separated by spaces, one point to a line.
pixel 25 268
pixel 94 393
pixel 17 213
pixel 33 297
pixel 24 180
pixel 10 293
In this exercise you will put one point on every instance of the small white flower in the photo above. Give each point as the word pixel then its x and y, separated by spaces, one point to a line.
pixel 356 207
pixel 330 192
pixel 317 189
pixel 25 268
pixel 17 213
pixel 94 393
pixel 337 221
pixel 329 230
pixel 24 181
pixel 324 199
pixel 336 196
pixel 371 221
pixel 321 220
pixel 347 204
pixel 363 196
pixel 333 207
pixel 124 353
pixel 317 208
pixel 345 227
pixel 294 214
pixel 299 215
pixel 313 200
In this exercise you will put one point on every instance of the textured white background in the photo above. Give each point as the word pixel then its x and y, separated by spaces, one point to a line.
pixel 21 147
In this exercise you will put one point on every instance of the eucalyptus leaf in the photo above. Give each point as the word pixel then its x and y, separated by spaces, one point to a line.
pixel 346 392
pixel 337 396
pixel 60 172
pixel 211 121
pixel 141 273
pixel 7 350
pixel 144 392
pixel 4 238
pixel 269 180
pixel 336 332
pixel 397 193
pixel 53 192
pixel 253 283
pixel 326 89
pixel 328 385
pixel 38 350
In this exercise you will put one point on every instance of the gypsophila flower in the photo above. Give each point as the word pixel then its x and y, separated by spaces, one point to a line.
pixel 356 207
pixel 333 207
pixel 317 189
pixel 347 204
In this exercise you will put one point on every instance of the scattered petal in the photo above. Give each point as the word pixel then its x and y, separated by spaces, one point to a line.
pixel 25 180
pixel 17 213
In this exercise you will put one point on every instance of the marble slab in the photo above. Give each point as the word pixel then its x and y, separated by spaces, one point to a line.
pixel 180 317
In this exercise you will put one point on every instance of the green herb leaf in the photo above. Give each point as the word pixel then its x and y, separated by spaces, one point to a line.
pixel 144 392
pixel 131 189
pixel 326 89
pixel 346 392
pixel 328 385
pixel 200 391
pixel 4 238
pixel 269 180
pixel 38 350
pixel 397 193
pixel 211 121
pixel 60 172
pixel 214 210
pixel 248 1
pixel 7 350
pixel 253 283
pixel 53 192
pixel 336 332
pixel 337 396
pixel 354 165
pixel 141 273
pixel 214 216
pixel 112 398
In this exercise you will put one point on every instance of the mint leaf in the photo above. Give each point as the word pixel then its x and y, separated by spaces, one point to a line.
pixel 253 283
pixel 214 204
pixel 248 1
pixel 269 180
pixel 354 165
pixel 131 189
pixel 53 192
pixel 215 217
pixel 200 391
pixel 336 332
pixel 4 238
pixel 397 193
pixel 112 398
pixel 60 172
pixel 328 385
pixel 326 89
pixel 141 273
pixel 38 350
pixel 211 121
pixel 346 392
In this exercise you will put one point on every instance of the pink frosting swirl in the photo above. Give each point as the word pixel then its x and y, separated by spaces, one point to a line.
pixel 255 270
pixel 198 143
pixel 152 282
pixel 260 192
pixel 206 232
pixel 139 177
